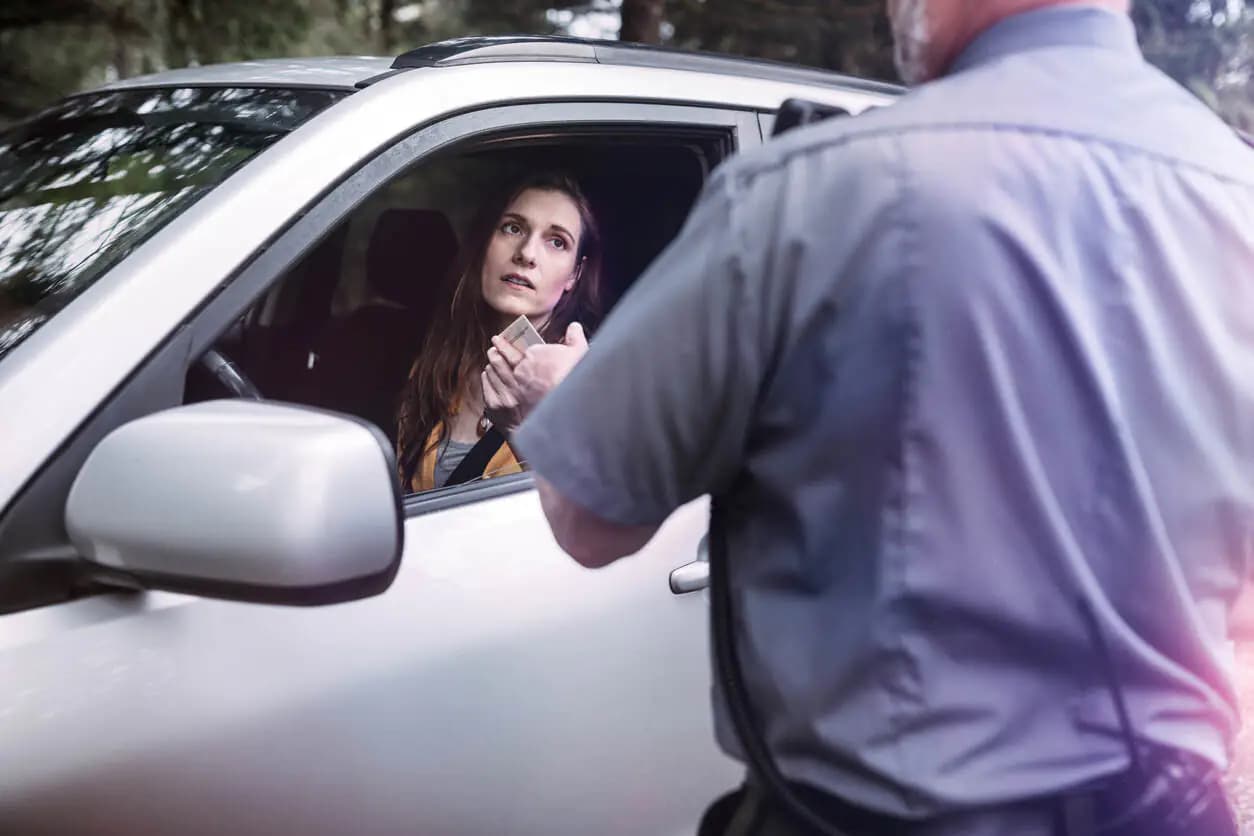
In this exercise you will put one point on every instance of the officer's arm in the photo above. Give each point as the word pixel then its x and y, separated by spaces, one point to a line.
pixel 590 539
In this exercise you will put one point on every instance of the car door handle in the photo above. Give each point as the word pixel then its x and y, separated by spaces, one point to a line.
pixel 690 577
pixel 693 576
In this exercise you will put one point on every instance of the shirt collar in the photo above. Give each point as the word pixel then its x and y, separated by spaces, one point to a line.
pixel 1050 27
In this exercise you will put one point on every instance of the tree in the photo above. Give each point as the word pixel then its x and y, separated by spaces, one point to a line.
pixel 1205 45
pixel 46 46
pixel 52 47
pixel 850 36
pixel 642 21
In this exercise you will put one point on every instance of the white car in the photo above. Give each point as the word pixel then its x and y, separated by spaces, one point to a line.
pixel 208 621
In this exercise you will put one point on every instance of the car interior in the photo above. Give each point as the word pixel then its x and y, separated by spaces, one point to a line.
pixel 341 329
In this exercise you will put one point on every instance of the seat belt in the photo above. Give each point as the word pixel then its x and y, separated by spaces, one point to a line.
pixel 476 461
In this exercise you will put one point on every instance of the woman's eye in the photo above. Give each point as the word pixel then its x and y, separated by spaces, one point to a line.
pixel 511 228
pixel 559 243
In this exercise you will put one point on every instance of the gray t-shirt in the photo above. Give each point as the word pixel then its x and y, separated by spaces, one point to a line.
pixel 449 457
pixel 949 366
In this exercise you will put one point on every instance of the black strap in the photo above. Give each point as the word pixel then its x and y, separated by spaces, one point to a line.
pixel 760 760
pixel 476 461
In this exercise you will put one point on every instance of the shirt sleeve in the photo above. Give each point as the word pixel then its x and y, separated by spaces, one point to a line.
pixel 658 411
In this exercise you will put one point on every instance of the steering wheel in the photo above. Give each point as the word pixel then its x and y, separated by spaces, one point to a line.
pixel 223 369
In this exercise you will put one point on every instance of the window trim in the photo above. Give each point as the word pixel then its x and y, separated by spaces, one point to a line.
pixel 441 499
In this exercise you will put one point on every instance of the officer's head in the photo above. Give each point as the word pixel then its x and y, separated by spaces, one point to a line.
pixel 929 34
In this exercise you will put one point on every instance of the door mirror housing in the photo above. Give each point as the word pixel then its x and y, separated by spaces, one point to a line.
pixel 243 500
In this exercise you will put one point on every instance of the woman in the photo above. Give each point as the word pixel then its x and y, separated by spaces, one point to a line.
pixel 536 253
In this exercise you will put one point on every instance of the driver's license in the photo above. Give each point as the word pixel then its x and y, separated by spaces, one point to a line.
pixel 522 334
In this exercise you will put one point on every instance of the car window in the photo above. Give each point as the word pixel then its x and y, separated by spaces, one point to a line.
pixel 83 183
pixel 342 329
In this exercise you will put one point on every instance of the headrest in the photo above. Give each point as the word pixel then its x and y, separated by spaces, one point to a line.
pixel 410 253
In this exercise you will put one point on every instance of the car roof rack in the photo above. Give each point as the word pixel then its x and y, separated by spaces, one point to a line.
pixel 479 50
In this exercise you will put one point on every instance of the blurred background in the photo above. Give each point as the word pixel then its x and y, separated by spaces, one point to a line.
pixel 49 48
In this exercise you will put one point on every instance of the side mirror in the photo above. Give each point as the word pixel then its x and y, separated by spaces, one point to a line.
pixel 244 500
pixel 794 113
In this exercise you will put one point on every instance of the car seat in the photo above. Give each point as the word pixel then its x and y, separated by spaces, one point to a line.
pixel 362 360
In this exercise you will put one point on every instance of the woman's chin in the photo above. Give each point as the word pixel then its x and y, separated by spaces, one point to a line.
pixel 511 309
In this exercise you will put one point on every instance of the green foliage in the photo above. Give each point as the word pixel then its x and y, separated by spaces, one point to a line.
pixel 1207 46
pixel 850 36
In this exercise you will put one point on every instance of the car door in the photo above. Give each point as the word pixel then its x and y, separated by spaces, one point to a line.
pixel 496 687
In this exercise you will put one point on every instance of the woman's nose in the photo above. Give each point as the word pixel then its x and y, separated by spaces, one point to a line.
pixel 526 252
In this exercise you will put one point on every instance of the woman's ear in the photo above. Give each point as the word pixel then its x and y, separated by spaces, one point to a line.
pixel 576 276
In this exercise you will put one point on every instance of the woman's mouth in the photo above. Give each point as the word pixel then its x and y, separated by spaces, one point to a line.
pixel 517 281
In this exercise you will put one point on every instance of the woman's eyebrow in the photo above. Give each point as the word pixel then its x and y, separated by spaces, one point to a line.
pixel 562 230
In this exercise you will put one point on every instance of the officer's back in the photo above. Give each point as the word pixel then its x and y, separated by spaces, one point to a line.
pixel 1039 386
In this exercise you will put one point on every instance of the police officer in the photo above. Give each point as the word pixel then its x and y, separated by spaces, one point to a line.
pixel 971 382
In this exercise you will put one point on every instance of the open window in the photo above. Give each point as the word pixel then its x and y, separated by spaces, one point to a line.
pixel 341 327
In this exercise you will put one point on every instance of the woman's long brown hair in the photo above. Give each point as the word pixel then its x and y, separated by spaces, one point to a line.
pixel 456 347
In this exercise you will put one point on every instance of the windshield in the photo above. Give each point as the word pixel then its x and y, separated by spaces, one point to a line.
pixel 82 184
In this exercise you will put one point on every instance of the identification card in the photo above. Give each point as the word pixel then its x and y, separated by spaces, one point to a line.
pixel 522 334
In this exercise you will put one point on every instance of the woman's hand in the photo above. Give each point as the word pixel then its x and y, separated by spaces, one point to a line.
pixel 514 382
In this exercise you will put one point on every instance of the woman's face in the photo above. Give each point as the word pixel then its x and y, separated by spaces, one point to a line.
pixel 530 261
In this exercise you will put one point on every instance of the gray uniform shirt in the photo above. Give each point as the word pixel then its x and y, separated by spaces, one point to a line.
pixel 950 365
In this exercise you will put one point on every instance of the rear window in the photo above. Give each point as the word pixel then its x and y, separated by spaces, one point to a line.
pixel 82 184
